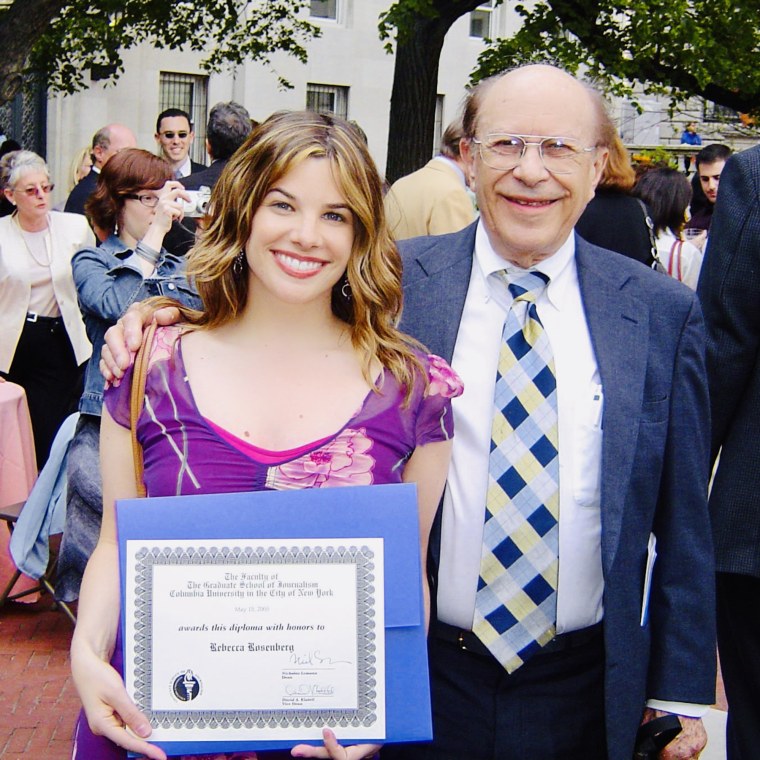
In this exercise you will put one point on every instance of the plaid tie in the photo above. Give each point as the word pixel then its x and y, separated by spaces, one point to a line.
pixel 516 602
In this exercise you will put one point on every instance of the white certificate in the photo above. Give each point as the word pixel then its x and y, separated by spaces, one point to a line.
pixel 256 640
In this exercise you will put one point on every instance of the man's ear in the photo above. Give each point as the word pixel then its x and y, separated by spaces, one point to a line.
pixel 600 161
pixel 467 154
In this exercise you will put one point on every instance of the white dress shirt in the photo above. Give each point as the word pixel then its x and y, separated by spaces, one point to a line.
pixel 579 403
pixel 185 170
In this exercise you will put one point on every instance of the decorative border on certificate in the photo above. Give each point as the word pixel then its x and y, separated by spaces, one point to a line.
pixel 151 555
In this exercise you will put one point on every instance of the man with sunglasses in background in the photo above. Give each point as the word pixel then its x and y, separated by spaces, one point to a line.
pixel 174 137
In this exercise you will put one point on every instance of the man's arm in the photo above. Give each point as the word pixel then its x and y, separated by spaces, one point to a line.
pixel 683 662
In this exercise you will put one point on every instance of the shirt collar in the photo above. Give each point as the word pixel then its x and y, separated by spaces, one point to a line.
pixel 453 165
pixel 186 168
pixel 559 268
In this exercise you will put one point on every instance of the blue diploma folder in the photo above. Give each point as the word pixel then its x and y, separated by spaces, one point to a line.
pixel 388 512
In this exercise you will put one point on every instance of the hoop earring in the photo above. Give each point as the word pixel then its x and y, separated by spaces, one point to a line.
pixel 346 290
pixel 237 264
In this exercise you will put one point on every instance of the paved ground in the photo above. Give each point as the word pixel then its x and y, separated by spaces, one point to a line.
pixel 38 703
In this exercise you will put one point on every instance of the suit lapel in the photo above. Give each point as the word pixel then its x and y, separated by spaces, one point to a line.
pixel 436 278
pixel 619 327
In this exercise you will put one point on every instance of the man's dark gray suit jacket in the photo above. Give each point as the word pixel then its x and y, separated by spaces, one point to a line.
pixel 648 336
pixel 729 288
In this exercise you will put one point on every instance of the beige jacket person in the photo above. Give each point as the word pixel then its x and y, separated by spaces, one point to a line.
pixel 431 201
pixel 68 233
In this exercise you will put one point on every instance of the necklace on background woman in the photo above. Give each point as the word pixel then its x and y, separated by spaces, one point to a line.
pixel 23 234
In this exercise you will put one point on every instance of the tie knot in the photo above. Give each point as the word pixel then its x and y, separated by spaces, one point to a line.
pixel 527 286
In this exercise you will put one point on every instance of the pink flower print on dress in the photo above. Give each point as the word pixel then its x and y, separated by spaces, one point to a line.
pixel 344 461
pixel 443 380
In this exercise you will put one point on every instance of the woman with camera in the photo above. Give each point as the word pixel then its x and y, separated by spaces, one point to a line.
pixel 136 200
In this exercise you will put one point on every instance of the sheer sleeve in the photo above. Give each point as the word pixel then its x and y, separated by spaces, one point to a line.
pixel 434 417
pixel 116 398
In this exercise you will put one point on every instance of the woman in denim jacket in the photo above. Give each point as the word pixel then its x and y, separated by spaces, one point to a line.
pixel 136 200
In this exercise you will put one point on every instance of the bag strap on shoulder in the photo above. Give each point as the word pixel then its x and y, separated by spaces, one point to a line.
pixel 137 401
pixel 674 264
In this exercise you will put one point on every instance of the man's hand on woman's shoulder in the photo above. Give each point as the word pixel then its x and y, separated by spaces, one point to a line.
pixel 124 338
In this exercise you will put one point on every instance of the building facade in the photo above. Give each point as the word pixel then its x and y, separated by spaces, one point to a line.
pixel 348 72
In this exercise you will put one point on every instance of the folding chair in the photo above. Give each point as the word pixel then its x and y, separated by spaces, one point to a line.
pixel 32 523
pixel 10 515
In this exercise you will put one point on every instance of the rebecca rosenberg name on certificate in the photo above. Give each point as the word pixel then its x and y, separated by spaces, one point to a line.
pixel 260 640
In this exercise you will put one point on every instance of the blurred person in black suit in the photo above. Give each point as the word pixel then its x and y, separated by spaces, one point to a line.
pixel 729 288
pixel 106 142
pixel 229 124
pixel 613 219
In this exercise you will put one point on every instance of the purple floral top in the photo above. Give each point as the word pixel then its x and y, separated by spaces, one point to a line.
pixel 183 452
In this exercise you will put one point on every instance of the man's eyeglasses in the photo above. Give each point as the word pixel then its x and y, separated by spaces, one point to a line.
pixel 151 201
pixel 31 192
pixel 560 155
pixel 170 135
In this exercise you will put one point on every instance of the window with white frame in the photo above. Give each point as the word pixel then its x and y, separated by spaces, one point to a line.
pixel 324 9
pixel 188 92
pixel 480 20
pixel 327 98
pixel 439 126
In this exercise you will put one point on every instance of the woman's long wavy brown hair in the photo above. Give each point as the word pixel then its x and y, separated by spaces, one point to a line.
pixel 373 273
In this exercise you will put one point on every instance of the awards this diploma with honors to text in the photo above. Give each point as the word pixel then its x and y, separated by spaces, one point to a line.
pixel 252 621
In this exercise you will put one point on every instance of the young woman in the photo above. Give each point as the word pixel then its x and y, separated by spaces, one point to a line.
pixel 293 376
pixel 667 194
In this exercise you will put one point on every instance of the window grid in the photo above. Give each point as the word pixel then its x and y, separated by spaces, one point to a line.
pixel 438 127
pixel 480 20
pixel 327 98
pixel 327 9
pixel 717 112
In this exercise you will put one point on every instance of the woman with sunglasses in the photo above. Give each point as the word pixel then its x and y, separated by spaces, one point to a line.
pixel 43 343
pixel 135 201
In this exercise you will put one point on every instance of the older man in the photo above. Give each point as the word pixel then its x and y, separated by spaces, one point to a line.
pixel 580 455
pixel 106 142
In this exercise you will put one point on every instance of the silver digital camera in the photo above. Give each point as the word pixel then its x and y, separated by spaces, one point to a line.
pixel 197 206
